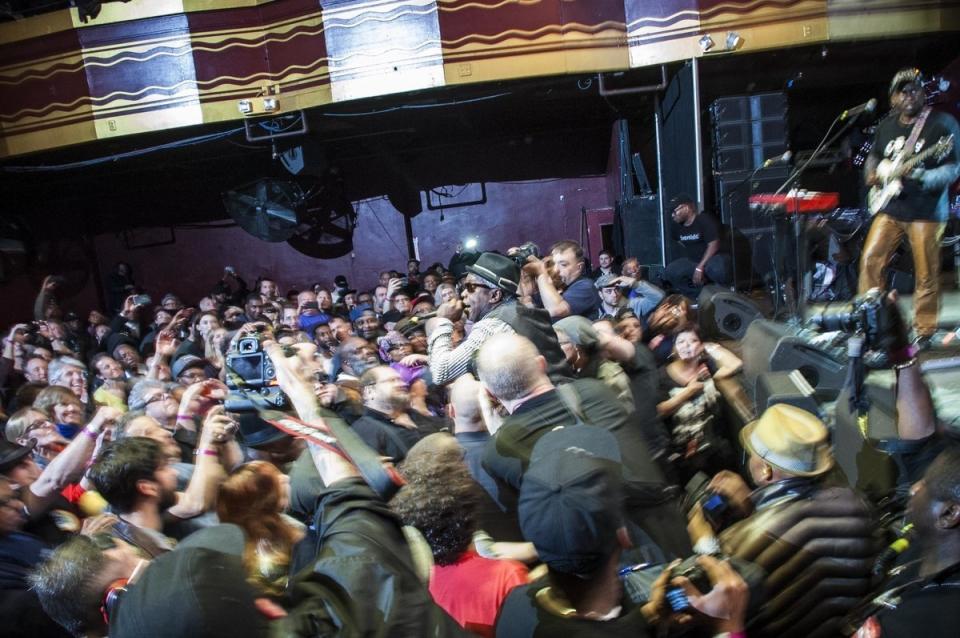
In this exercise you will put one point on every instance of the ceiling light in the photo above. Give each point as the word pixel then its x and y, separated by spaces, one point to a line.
pixel 706 43
pixel 733 40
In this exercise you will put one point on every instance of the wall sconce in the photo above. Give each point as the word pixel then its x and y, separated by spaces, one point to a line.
pixel 734 41
pixel 706 43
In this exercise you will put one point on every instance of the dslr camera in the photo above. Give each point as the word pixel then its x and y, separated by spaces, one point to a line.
pixel 714 506
pixel 527 249
pixel 252 379
pixel 862 316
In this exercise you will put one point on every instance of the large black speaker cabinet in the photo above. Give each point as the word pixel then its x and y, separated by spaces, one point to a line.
pixel 785 387
pixel 640 219
pixel 725 314
pixel 770 346
pixel 864 459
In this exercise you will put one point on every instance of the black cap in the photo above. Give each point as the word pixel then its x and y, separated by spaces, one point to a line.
pixel 408 325
pixel 500 271
pixel 185 362
pixel 680 198
pixel 191 591
pixel 571 502
pixel 253 431
pixel 904 77
pixel 11 454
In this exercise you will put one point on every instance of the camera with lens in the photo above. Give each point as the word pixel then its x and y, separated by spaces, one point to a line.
pixel 527 249
pixel 252 379
pixel 714 505
pixel 862 316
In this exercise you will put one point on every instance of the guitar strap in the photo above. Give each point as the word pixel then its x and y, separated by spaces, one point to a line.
pixel 915 133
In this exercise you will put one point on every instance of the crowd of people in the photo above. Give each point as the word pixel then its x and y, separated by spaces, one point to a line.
pixel 549 424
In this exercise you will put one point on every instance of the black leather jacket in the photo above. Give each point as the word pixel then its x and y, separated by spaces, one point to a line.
pixel 817 545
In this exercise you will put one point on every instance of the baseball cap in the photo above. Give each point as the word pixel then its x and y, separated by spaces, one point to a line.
pixel 680 198
pixel 606 281
pixel 904 77
pixel 186 362
pixel 571 501
pixel 579 330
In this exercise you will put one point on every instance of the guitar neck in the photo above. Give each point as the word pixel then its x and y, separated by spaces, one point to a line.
pixel 907 166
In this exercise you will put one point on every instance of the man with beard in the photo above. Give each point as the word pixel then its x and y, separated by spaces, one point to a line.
pixel 490 298
pixel 919 213
pixel 137 478
pixel 389 425
pixel 366 325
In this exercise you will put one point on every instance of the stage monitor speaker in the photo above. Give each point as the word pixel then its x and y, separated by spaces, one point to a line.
pixel 770 346
pixel 864 460
pixel 725 314
pixel 640 217
pixel 790 388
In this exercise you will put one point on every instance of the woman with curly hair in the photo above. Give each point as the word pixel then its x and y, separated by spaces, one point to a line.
pixel 440 499
pixel 254 497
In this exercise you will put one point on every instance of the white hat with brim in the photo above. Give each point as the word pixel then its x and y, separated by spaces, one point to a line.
pixel 790 439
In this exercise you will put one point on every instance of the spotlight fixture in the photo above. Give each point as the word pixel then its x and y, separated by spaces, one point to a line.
pixel 706 43
pixel 733 41
pixel 470 243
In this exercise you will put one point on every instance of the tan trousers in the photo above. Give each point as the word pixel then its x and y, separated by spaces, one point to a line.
pixel 884 237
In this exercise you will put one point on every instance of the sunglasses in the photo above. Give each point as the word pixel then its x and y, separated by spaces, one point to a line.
pixel 471 287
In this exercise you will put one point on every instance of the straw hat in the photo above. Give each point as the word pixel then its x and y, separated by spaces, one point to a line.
pixel 790 439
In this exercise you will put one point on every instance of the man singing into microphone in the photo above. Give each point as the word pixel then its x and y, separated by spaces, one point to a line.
pixel 919 212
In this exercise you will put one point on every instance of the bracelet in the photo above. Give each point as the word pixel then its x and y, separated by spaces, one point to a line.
pixel 698 270
pixel 185 417
pixel 91 433
pixel 906 364
pixel 206 451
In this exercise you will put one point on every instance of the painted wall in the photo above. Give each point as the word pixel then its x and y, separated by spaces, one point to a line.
pixel 543 211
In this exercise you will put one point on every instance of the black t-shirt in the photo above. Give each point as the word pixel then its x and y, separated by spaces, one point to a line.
pixel 522 617
pixel 379 432
pixel 914 202
pixel 695 237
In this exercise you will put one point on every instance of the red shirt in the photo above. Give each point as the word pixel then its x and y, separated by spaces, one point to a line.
pixel 472 589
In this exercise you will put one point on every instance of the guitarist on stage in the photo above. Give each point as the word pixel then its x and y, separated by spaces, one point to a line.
pixel 919 211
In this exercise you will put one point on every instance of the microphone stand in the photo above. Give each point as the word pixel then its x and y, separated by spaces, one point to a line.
pixel 793 177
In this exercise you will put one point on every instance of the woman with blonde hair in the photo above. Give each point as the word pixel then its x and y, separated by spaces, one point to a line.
pixel 254 498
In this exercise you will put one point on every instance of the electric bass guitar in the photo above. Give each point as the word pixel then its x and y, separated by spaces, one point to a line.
pixel 890 173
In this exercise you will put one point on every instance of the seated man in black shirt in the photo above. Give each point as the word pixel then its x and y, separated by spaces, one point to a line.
pixel 702 260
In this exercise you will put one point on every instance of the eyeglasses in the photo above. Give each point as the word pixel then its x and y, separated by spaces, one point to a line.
pixel 471 287
pixel 36 425
pixel 157 397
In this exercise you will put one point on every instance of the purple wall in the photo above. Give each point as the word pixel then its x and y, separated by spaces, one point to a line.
pixel 543 211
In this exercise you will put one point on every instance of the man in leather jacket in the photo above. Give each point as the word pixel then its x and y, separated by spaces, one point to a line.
pixel 814 539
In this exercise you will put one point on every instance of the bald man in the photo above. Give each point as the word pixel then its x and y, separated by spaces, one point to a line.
pixel 512 371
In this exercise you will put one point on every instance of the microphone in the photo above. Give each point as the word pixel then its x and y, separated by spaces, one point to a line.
pixel 779 159
pixel 867 107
